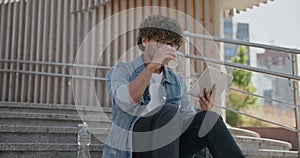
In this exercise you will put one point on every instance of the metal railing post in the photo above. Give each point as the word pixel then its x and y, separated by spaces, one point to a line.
pixel 296 100
pixel 188 61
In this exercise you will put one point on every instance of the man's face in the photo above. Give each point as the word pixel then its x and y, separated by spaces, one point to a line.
pixel 153 45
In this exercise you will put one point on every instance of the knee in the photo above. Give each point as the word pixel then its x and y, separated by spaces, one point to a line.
pixel 209 120
pixel 169 108
pixel 209 115
pixel 169 114
pixel 167 111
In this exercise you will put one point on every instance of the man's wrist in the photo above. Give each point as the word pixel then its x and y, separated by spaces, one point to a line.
pixel 152 66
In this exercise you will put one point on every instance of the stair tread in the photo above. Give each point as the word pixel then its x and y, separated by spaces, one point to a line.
pixel 261 143
pixel 54 106
pixel 48 129
pixel 268 152
pixel 242 132
pixel 45 147
pixel 263 140
pixel 50 116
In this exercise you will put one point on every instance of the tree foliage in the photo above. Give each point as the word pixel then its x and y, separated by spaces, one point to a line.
pixel 241 81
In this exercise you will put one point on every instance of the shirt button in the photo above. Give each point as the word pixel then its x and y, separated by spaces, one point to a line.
pixel 164 99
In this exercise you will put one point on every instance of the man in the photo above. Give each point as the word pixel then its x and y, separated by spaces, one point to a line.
pixel 153 116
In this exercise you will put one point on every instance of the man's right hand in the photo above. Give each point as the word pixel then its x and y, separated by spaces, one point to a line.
pixel 163 55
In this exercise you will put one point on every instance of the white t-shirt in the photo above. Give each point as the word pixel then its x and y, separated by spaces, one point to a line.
pixel 154 93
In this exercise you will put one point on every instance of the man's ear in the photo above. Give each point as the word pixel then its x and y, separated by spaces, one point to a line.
pixel 144 41
pixel 140 43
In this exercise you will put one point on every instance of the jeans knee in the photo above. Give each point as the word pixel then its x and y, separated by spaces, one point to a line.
pixel 170 108
pixel 207 120
pixel 210 114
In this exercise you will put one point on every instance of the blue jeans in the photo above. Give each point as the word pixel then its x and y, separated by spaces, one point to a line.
pixel 218 140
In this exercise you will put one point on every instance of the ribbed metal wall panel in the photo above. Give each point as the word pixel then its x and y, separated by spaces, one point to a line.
pixel 13 50
pixel 53 31
pixel 7 49
pixel 32 49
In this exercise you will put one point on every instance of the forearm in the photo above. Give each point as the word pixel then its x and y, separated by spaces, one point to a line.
pixel 139 84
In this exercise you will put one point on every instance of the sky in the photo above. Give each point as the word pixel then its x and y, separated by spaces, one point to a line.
pixel 276 23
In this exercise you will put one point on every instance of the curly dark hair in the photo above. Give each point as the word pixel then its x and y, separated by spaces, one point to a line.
pixel 162 27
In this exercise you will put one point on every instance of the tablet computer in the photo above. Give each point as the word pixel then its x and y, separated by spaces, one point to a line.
pixel 207 79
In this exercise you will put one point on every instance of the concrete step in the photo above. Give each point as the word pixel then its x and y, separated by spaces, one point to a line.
pixel 251 143
pixel 44 130
pixel 242 132
pixel 42 134
pixel 48 119
pixel 45 150
pixel 265 153
pixel 53 108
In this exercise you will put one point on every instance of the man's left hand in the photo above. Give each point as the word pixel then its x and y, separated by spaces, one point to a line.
pixel 206 103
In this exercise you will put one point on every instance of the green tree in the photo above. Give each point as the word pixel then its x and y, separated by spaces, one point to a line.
pixel 241 81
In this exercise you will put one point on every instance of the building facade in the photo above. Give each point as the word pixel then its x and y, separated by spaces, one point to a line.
pixel 275 87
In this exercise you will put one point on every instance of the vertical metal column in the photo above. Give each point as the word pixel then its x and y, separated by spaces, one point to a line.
pixel 20 48
pixel 65 50
pixel 26 50
pixel 3 20
pixel 13 51
pixel 296 99
pixel 188 61
pixel 72 51
pixel 35 49
pixel 48 49
pixel 58 54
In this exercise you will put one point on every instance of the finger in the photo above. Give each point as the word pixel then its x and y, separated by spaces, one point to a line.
pixel 214 90
pixel 212 104
pixel 203 106
pixel 158 60
pixel 169 51
pixel 172 56
pixel 167 59
pixel 173 49
pixel 203 99
pixel 207 94
pixel 167 47
pixel 173 53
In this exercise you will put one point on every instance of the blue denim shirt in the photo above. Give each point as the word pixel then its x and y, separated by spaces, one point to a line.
pixel 125 113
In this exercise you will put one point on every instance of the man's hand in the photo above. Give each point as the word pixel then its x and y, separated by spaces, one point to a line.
pixel 208 102
pixel 164 55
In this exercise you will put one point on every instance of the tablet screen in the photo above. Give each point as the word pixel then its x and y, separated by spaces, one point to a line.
pixel 207 79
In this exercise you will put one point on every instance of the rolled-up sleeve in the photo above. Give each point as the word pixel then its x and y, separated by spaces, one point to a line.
pixel 117 86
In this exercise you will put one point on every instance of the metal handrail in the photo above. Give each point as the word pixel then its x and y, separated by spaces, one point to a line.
pixel 245 67
pixel 56 64
pixel 103 79
pixel 55 74
pixel 283 49
pixel 263 97
pixel 239 42
pixel 260 119
pixel 191 56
